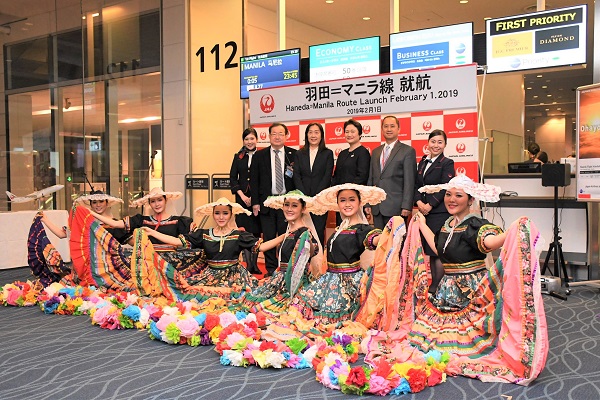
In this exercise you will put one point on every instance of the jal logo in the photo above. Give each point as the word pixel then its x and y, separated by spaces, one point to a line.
pixel 460 148
pixel 367 129
pixel 461 170
pixel 427 126
pixel 267 103
pixel 425 149
pixel 338 151
pixel 263 136
pixel 338 131
pixel 461 123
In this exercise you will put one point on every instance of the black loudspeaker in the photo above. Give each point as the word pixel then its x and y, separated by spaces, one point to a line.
pixel 556 174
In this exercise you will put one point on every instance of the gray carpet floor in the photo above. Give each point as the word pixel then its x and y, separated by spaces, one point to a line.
pixel 65 357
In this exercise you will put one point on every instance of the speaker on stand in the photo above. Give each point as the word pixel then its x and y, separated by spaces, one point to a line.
pixel 556 175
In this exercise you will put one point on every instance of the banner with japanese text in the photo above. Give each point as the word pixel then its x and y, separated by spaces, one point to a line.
pixel 444 98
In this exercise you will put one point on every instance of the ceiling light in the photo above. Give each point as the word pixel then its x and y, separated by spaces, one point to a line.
pixel 328 1
pixel 554 102
pixel 463 1
pixel 548 95
pixel 559 109
pixel 83 17
pixel 544 87
pixel 366 18
pixel 486 18
pixel 529 88
pixel 539 76
pixel 535 97
pixel 547 109
pixel 95 14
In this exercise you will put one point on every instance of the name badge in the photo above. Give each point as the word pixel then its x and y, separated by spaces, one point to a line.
pixel 289 172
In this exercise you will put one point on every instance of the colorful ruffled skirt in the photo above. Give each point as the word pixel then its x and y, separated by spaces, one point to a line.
pixel 500 335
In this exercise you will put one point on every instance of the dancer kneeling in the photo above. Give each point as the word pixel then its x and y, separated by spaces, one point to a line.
pixel 224 277
pixel 299 255
pixel 335 296
pixel 489 316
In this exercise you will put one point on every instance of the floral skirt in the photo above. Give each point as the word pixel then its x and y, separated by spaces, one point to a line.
pixel 44 260
pixel 228 283
pixel 272 297
pixel 332 298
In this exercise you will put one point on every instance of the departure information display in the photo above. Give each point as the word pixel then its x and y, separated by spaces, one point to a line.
pixel 261 71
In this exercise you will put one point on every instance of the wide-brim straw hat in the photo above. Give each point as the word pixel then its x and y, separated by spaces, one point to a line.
pixel 371 195
pixel 154 193
pixel 480 191
pixel 112 200
pixel 207 209
pixel 276 202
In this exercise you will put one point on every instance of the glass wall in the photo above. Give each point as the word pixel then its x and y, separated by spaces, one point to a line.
pixel 84 104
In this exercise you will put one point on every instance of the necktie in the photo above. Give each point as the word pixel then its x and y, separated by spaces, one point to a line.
pixel 386 153
pixel 279 186
pixel 428 162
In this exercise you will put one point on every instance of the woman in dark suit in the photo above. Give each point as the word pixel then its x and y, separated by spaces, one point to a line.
pixel 353 163
pixel 313 166
pixel 239 176
pixel 434 169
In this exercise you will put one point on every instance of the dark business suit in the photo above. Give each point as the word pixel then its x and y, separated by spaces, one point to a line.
pixel 440 171
pixel 272 222
pixel 352 167
pixel 397 179
pixel 239 176
pixel 312 181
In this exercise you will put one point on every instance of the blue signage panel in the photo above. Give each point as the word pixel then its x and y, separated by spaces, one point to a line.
pixel 261 71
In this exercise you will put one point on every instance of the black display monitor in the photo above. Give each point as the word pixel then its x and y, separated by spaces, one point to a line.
pixel 524 167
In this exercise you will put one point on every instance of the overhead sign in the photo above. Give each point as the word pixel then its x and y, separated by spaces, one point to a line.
pixel 538 40
pixel 445 88
pixel 261 71
pixel 434 47
pixel 348 59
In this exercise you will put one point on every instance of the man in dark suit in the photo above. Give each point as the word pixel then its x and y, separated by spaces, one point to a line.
pixel 393 169
pixel 271 174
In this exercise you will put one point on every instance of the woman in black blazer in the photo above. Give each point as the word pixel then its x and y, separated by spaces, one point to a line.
pixel 239 176
pixel 313 167
pixel 434 169
pixel 353 163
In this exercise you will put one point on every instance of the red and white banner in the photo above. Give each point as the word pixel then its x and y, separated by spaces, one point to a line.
pixel 458 117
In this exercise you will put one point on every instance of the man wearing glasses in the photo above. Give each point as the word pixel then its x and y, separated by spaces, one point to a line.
pixel 271 174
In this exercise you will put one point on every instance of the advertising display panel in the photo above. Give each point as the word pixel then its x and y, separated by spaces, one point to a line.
pixel 588 151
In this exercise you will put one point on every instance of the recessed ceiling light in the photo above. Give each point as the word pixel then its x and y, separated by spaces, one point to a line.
pixel 486 18
pixel 366 18
pixel 463 1
pixel 83 17
pixel 529 88
pixel 328 1
pixel 544 87
pixel 95 14
pixel 559 109
pixel 548 95
pixel 547 109
pixel 554 102
pixel 535 97
pixel 539 76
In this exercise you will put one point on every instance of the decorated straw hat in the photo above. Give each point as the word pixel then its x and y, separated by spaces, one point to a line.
pixel 276 202
pixel 207 209
pixel 98 195
pixel 368 195
pixel 154 193
pixel 480 191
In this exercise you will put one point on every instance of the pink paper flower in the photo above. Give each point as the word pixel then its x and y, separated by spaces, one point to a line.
pixel 226 319
pixel 187 326
pixel 164 321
